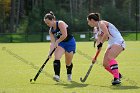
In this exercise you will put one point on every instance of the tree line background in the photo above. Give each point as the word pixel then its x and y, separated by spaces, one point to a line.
pixel 26 16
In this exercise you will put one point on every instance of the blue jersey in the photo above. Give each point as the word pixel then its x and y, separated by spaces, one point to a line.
pixel 57 33
pixel 68 44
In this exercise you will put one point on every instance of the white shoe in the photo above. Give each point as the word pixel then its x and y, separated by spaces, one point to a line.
pixel 69 76
pixel 56 78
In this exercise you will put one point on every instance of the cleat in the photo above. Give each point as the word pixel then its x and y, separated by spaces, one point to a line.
pixel 120 76
pixel 116 81
pixel 69 76
pixel 56 78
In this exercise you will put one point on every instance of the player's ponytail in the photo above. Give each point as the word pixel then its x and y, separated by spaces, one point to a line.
pixel 51 13
pixel 49 16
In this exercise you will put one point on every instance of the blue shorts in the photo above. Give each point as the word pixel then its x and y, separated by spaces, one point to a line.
pixel 69 45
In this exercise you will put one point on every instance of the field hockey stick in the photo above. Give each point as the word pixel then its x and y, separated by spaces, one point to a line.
pixel 40 70
pixel 88 72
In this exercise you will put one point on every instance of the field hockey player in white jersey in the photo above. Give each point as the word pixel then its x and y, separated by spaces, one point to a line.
pixel 107 31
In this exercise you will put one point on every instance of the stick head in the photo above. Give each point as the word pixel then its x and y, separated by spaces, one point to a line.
pixel 82 80
pixel 32 81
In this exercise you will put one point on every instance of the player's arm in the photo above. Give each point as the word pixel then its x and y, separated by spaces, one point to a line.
pixel 98 49
pixel 105 31
pixel 63 29
pixel 105 35
pixel 101 40
pixel 52 43
pixel 95 30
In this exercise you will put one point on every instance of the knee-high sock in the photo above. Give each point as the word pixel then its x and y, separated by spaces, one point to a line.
pixel 56 66
pixel 114 68
pixel 69 69
pixel 109 69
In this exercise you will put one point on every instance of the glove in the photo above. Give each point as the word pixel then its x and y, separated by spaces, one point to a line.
pixel 100 45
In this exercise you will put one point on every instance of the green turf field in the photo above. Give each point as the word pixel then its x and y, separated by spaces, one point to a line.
pixel 19 62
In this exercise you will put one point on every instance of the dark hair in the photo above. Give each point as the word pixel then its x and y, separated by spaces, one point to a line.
pixel 49 16
pixel 94 16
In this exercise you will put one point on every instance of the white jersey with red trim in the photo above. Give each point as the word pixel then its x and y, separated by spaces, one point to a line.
pixel 95 31
pixel 114 35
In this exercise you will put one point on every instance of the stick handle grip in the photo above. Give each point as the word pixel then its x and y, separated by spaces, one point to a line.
pixel 97 53
pixel 52 52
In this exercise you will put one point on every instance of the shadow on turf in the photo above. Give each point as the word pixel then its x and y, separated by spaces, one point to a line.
pixel 121 87
pixel 72 84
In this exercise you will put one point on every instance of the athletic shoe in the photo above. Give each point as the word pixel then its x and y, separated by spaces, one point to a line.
pixel 116 81
pixel 56 78
pixel 69 76
pixel 120 76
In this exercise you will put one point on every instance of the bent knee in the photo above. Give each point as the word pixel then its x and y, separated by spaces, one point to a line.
pixel 105 63
pixel 109 57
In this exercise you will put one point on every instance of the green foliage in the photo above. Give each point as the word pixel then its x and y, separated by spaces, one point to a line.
pixel 72 13
pixel 50 5
pixel 34 21
pixel 35 18
pixel 118 18
pixel 23 26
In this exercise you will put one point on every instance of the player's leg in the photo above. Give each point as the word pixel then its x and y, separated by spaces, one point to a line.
pixel 70 50
pixel 58 54
pixel 111 64
pixel 105 61
pixel 69 65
